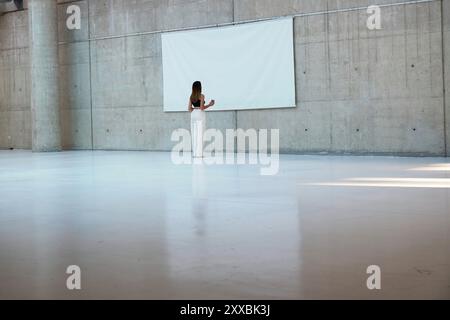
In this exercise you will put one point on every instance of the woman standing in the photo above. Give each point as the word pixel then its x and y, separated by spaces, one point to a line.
pixel 197 109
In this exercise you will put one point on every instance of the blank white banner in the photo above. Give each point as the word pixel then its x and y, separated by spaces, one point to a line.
pixel 248 66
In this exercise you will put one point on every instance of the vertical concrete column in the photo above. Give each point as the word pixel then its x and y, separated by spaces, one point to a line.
pixel 43 24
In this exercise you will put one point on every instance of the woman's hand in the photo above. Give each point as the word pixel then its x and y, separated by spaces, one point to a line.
pixel 210 104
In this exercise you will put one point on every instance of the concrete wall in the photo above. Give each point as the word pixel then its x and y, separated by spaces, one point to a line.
pixel 15 110
pixel 127 71
pixel 358 91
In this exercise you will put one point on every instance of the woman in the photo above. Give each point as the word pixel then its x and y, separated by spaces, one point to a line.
pixel 197 109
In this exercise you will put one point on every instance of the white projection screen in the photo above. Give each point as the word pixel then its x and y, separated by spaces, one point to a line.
pixel 248 66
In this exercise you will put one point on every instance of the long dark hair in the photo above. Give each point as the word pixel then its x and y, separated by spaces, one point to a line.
pixel 196 91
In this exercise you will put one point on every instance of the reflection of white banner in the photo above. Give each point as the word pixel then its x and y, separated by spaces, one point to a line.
pixel 248 66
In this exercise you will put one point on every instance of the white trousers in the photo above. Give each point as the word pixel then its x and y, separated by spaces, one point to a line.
pixel 198 127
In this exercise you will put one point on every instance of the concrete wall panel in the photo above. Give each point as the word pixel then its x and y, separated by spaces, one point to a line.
pixel 118 17
pixel 127 71
pixel 74 79
pixel 379 91
pixel 15 121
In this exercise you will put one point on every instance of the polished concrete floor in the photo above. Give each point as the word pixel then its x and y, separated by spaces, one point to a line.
pixel 141 227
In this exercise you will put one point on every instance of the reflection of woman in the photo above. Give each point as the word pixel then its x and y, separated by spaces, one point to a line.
pixel 197 108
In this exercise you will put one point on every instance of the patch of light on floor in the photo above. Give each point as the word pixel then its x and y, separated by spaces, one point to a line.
pixel 433 167
pixel 390 183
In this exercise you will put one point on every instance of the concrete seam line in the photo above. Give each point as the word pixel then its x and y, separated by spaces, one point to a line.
pixel 90 76
pixel 236 122
pixel 444 80
pixel 225 24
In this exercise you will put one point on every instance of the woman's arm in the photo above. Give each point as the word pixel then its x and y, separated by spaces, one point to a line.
pixel 190 106
pixel 210 104
pixel 202 103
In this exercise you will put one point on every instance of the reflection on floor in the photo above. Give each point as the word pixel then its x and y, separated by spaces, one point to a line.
pixel 141 227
